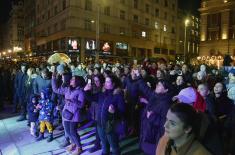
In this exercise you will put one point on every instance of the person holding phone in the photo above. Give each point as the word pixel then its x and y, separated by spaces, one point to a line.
pixel 111 107
pixel 95 87
pixel 72 111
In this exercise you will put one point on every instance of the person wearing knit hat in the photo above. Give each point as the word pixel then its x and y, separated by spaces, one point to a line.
pixel 187 95
pixel 192 97
pixel 45 108
pixel 60 69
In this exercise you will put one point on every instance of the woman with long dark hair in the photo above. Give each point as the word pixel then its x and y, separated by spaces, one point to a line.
pixel 110 109
pixel 96 84
pixel 72 111
pixel 153 118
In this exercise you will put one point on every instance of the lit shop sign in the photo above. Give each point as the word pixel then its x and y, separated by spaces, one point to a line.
pixel 121 46
pixel 106 47
pixel 73 44
pixel 16 49
pixel 90 45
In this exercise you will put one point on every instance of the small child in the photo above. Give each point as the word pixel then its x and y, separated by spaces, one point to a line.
pixel 33 114
pixel 45 114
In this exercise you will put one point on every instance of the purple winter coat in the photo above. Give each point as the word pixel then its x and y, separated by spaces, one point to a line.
pixel 74 101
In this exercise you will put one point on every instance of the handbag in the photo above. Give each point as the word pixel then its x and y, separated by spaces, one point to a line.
pixel 67 114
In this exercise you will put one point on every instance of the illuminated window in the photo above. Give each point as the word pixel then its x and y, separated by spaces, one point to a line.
pixel 143 34
pixel 164 28
pixel 156 25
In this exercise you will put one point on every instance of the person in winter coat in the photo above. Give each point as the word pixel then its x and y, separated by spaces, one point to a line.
pixel 210 138
pixel 192 97
pixel 29 85
pixel 181 129
pixel 42 81
pixel 179 84
pixel 131 94
pixel 110 109
pixel 223 110
pixel 45 108
pixel 203 89
pixel 20 92
pixel 72 112
pixel 97 85
pixel 33 114
pixel 153 118
pixel 187 75
pixel 65 79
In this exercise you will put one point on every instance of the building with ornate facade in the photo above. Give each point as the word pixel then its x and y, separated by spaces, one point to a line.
pixel 217 27
pixel 29 25
pixel 136 28
pixel 13 30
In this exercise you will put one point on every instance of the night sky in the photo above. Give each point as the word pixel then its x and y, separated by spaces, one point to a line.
pixel 5 6
pixel 188 5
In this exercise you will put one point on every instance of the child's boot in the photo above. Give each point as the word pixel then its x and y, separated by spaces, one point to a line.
pixel 40 137
pixel 50 138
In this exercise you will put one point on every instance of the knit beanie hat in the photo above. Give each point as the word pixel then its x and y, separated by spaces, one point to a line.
pixel 60 68
pixel 187 95
pixel 46 92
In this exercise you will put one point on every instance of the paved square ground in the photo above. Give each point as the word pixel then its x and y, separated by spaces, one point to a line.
pixel 16 140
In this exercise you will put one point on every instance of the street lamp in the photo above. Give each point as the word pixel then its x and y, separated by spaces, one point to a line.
pixel 97 38
pixel 186 22
pixel 164 29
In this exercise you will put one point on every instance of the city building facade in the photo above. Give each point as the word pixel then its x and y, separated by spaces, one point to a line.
pixel 217 34
pixel 188 37
pixel 29 25
pixel 13 30
pixel 127 28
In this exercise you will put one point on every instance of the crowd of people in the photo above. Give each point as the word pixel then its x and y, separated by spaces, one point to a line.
pixel 172 108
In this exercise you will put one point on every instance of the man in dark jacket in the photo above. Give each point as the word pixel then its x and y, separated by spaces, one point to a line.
pixel 42 81
pixel 132 93
pixel 154 116
pixel 20 90
pixel 110 108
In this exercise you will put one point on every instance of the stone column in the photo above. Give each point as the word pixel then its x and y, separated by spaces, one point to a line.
pixel 114 48
pixel 203 27
pixel 129 49
pixel 225 24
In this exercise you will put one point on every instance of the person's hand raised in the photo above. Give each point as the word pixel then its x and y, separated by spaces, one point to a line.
pixel 111 109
